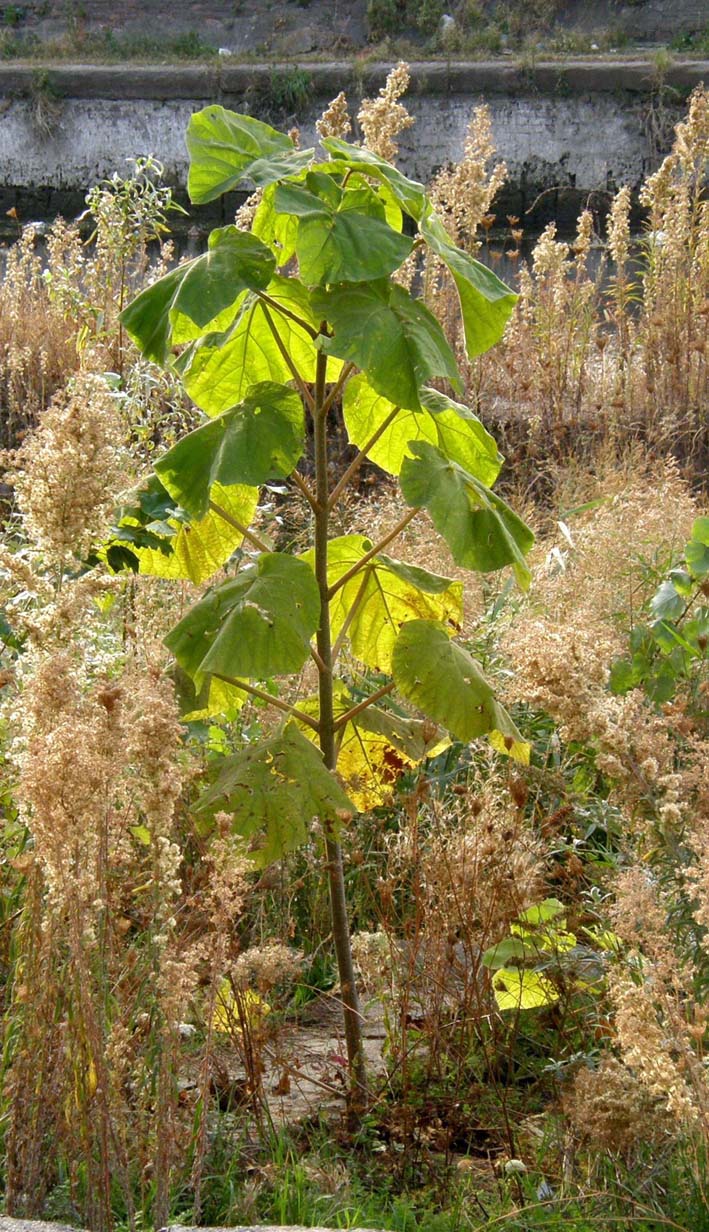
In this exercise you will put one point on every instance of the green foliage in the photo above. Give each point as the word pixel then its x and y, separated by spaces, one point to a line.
pixel 259 348
pixel 388 16
pixel 199 294
pixel 256 625
pixel 274 789
pixel 668 649
pixel 259 439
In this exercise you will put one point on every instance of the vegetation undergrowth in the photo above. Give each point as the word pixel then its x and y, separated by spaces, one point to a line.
pixel 528 932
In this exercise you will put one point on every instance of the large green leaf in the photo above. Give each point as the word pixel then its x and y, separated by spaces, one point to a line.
pixel 342 236
pixel 226 148
pixel 256 625
pixel 446 683
pixel 486 302
pixel 201 294
pixel 219 369
pixel 260 439
pixel 453 428
pixel 195 550
pixel 482 532
pixel 274 790
pixel 393 338
pixel 410 195
pixel 387 593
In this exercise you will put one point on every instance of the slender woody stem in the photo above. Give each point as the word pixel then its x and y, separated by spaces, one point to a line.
pixel 338 904
pixel 338 387
pixel 286 312
pixel 303 486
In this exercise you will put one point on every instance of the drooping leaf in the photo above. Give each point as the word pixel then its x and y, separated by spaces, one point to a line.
pixel 226 148
pixel 218 370
pixel 445 682
pixel 481 530
pixel 410 195
pixel 387 593
pixel 518 989
pixel 260 439
pixel 453 428
pixel 256 625
pixel 274 789
pixel 200 294
pixel 486 302
pixel 342 236
pixel 392 337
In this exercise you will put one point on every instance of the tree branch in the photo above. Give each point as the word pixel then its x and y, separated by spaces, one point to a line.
pixel 401 525
pixel 243 530
pixel 302 387
pixel 345 718
pixel 359 459
pixel 276 702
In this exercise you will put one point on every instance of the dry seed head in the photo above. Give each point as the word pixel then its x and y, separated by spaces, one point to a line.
pixel 384 117
pixel 70 469
pixel 335 120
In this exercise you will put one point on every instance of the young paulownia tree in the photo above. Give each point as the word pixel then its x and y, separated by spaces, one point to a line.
pixel 270 327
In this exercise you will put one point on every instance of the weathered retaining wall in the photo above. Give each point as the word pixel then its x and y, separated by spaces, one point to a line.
pixel 565 130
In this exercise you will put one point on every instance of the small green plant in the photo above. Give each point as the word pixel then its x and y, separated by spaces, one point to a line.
pixel 261 350
pixel 386 17
pixel 11 15
pixel 668 649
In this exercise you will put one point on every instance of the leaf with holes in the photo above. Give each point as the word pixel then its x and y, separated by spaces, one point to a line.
pixel 274 790
pixel 444 681
pixel 256 625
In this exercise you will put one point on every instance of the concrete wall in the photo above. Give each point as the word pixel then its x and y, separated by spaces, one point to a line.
pixel 566 130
